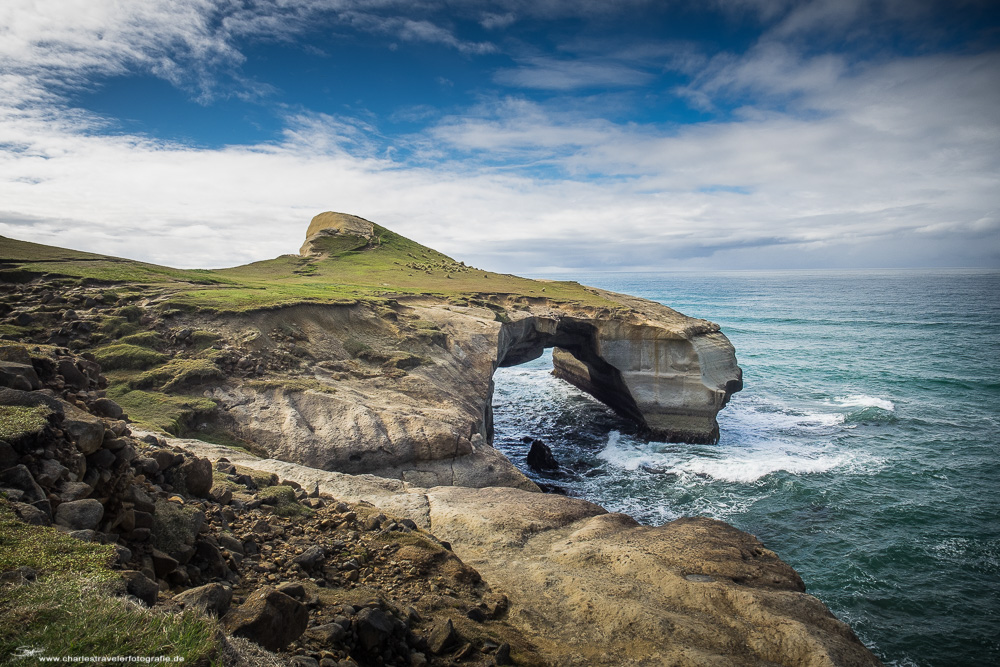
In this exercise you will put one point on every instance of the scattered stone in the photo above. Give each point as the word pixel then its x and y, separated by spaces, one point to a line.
pixel 141 586
pixel 441 637
pixel 80 514
pixel 293 589
pixel 210 598
pixel 269 618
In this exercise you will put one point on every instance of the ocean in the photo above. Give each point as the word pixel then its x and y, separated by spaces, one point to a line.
pixel 863 448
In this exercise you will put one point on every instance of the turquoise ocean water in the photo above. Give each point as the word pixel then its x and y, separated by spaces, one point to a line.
pixel 863 449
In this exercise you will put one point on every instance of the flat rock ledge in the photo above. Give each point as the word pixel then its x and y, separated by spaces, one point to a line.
pixel 593 588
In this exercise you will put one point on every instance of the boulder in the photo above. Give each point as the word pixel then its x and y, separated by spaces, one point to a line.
pixel 163 564
pixel 19 477
pixel 310 558
pixel 269 618
pixel 18 376
pixel 83 514
pixel 197 474
pixel 8 457
pixel 441 637
pixel 210 598
pixel 105 407
pixel 86 430
pixel 374 628
pixel 327 634
pixel 540 457
pixel 30 514
pixel 141 586
pixel 73 376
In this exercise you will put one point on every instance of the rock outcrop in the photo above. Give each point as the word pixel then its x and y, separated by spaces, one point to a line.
pixel 430 422
pixel 591 588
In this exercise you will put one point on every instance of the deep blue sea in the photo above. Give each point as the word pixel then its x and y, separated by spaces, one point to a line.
pixel 864 448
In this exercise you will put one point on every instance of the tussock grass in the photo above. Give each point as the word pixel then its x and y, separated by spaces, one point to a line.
pixel 76 607
pixel 172 413
pixel 150 339
pixel 17 421
pixel 286 505
pixel 128 356
pixel 178 373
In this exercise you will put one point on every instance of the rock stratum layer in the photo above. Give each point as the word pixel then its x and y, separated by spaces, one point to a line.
pixel 431 424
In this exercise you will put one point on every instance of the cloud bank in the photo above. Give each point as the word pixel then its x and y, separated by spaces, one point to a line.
pixel 804 159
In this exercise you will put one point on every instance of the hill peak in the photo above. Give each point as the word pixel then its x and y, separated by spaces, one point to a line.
pixel 330 223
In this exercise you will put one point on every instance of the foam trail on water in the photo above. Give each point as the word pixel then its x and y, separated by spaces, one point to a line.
pixel 865 401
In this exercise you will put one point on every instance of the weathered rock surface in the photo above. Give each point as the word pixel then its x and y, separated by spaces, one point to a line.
pixel 269 618
pixel 432 423
pixel 588 587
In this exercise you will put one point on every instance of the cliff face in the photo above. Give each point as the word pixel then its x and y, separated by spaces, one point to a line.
pixel 364 367
pixel 428 420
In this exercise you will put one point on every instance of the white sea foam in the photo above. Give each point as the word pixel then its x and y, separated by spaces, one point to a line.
pixel 755 464
pixel 728 464
pixel 865 401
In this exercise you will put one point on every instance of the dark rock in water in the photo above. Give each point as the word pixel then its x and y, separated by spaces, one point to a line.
pixel 552 488
pixel 527 439
pixel 210 598
pixel 540 457
pixel 269 618
pixel 374 628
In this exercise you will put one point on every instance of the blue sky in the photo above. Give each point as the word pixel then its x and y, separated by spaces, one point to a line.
pixel 520 136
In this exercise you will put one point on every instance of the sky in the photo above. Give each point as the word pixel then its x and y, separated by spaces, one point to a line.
pixel 521 136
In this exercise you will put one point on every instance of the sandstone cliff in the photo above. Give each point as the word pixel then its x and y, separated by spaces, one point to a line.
pixel 362 368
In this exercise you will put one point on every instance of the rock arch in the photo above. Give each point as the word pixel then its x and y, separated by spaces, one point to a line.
pixel 673 383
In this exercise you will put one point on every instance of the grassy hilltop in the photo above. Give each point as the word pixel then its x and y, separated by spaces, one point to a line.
pixel 349 269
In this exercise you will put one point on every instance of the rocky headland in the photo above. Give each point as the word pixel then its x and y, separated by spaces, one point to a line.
pixel 300 449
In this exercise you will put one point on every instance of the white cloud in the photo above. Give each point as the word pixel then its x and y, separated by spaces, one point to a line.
pixel 828 163
pixel 553 74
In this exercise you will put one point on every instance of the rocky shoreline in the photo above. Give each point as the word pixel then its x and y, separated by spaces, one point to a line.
pixel 317 479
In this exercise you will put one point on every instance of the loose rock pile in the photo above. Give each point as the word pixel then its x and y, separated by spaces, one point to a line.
pixel 319 581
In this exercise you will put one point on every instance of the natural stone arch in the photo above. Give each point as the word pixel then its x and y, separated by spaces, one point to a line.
pixel 671 383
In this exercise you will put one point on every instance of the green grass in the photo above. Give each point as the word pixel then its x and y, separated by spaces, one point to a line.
pixel 149 339
pixel 286 504
pixel 390 266
pixel 76 606
pixel 172 413
pixel 47 550
pixel 178 373
pixel 126 356
pixel 17 421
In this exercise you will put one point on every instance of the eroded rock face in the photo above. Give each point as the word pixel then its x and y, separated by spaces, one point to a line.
pixel 592 588
pixel 407 392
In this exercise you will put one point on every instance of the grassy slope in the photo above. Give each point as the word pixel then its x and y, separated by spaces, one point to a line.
pixel 391 266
